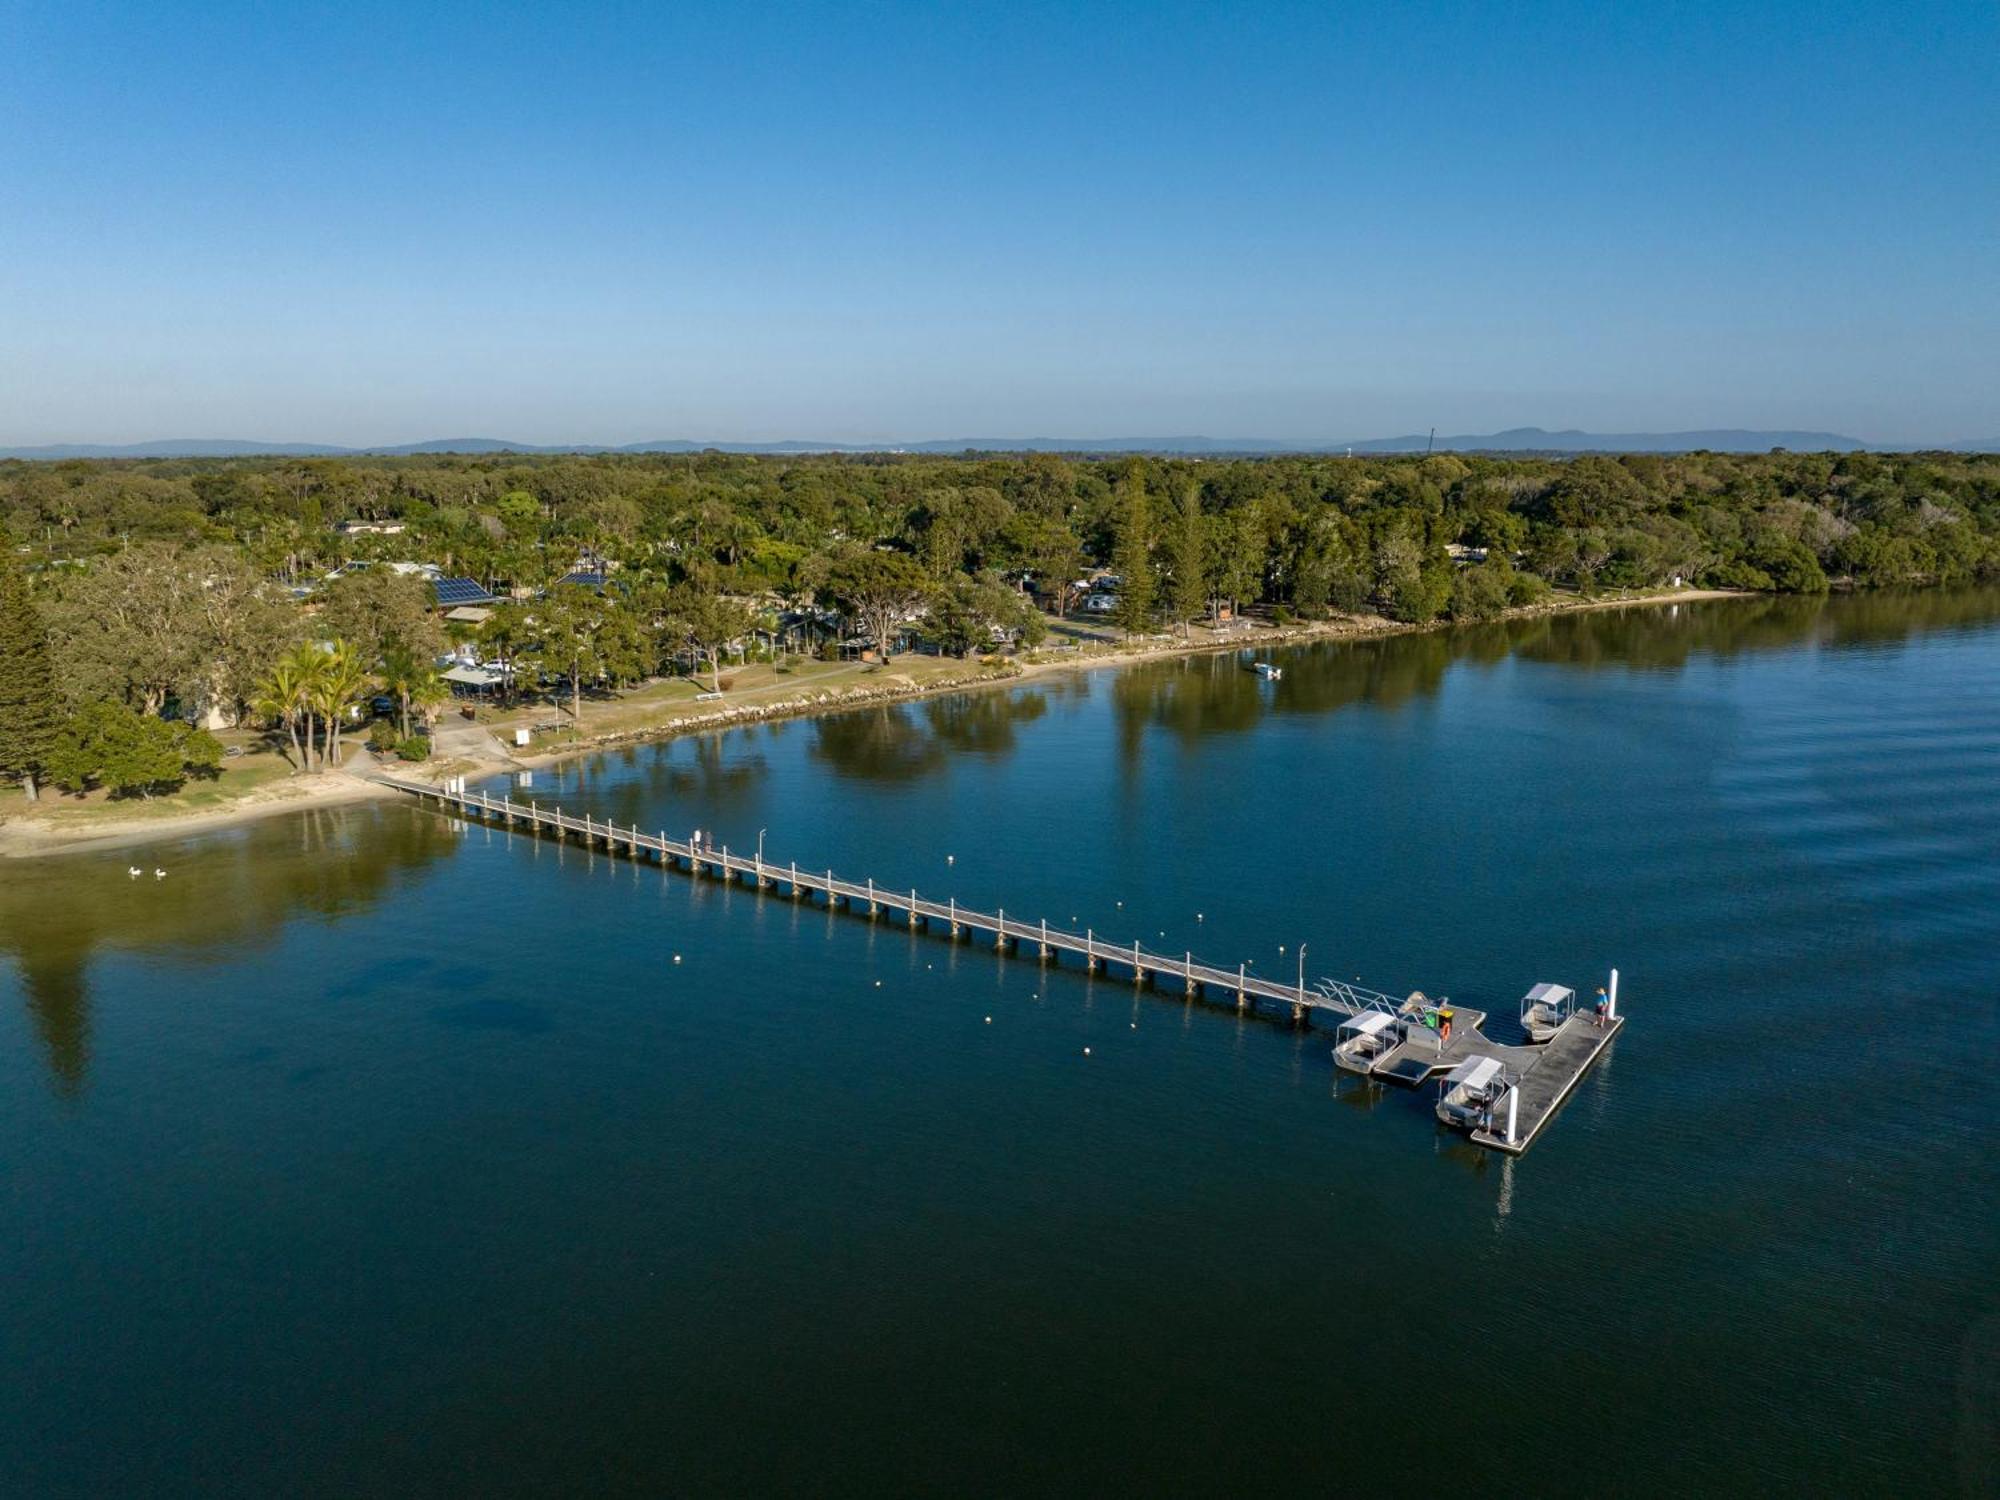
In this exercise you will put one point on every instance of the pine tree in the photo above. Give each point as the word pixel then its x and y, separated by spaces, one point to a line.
pixel 1133 556
pixel 30 708
pixel 1187 547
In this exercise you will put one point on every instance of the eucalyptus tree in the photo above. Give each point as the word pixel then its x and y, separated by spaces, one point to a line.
pixel 877 590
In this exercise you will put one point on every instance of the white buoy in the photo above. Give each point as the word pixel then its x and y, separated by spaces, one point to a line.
pixel 989 1020
pixel 878 984
pixel 951 859
pixel 1086 1052
pixel 677 958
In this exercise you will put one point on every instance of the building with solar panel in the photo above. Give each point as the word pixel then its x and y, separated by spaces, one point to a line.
pixel 456 593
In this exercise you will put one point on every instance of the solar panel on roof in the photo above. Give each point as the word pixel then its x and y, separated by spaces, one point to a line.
pixel 452 592
pixel 582 579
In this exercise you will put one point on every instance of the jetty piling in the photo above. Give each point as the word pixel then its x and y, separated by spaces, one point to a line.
pixel 1544 1075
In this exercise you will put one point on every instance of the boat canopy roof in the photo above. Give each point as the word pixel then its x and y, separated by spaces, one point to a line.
pixel 1550 994
pixel 1369 1022
pixel 1475 1073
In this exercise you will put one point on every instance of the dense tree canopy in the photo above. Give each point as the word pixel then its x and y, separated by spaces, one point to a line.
pixel 178 586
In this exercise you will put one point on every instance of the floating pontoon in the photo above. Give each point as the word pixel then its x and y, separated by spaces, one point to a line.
pixel 1362 1038
pixel 1544 1008
pixel 1469 1090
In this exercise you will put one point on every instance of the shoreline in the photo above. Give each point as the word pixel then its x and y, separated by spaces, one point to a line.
pixel 1302 633
pixel 30 837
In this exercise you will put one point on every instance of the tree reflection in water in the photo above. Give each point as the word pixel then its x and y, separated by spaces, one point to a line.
pixel 899 741
pixel 222 895
pixel 1216 694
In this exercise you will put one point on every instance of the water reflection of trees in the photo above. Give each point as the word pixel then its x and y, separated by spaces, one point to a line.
pixel 221 896
pixel 1217 694
pixel 1203 695
pixel 896 742
pixel 717 773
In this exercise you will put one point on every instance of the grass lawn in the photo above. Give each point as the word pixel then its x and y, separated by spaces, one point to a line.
pixel 660 705
pixel 246 774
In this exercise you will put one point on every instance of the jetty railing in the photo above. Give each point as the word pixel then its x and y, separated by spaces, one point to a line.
pixel 865 897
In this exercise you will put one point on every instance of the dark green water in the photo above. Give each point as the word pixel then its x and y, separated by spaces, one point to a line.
pixel 363 1154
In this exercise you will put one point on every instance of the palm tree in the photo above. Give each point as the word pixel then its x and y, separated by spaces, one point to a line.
pixel 414 681
pixel 286 694
pixel 340 682
pixel 281 697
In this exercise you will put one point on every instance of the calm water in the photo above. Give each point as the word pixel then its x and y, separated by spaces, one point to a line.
pixel 367 1154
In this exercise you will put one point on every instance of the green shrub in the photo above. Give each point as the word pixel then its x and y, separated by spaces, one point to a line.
pixel 109 745
pixel 382 736
pixel 1738 575
pixel 416 747
pixel 1527 588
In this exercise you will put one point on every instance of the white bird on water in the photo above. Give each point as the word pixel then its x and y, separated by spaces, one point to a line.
pixel 159 874
pixel 134 871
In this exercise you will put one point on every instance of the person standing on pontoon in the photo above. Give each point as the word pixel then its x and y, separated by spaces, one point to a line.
pixel 1603 1005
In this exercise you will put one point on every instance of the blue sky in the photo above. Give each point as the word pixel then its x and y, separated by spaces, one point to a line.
pixel 380 222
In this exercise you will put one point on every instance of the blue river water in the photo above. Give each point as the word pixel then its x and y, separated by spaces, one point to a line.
pixel 368 1153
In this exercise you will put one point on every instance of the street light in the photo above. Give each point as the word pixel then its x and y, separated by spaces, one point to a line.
pixel 760 846
pixel 1302 971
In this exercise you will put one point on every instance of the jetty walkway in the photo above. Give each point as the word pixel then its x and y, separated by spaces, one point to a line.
pixel 1545 1074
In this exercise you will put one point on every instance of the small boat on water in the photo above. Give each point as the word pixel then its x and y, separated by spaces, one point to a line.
pixel 1266 671
pixel 1363 1038
pixel 1469 1091
pixel 1543 1010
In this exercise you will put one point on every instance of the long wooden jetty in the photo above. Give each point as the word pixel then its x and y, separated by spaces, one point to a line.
pixel 1546 1074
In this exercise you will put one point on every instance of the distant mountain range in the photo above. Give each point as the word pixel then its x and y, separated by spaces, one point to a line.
pixel 1514 440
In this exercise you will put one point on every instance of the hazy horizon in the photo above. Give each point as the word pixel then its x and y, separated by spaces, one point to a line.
pixel 371 225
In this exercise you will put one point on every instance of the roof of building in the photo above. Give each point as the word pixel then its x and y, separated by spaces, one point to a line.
pixel 477 676
pixel 469 614
pixel 452 592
